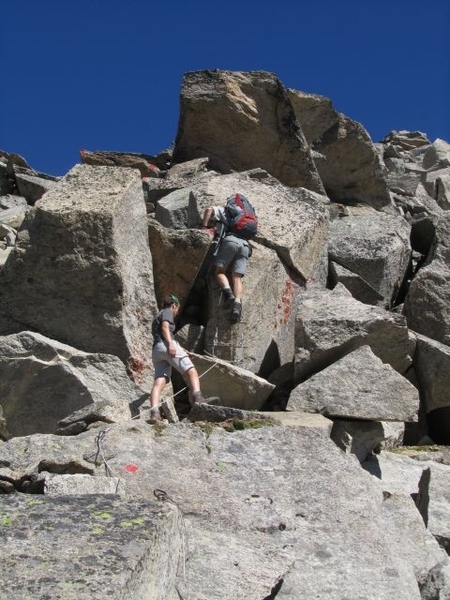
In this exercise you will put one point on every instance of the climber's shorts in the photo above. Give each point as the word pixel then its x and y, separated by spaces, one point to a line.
pixel 233 255
pixel 163 363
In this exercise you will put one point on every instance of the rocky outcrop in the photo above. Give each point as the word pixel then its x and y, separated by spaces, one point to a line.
pixel 344 313
pixel 83 258
pixel 425 477
pixel 345 157
pixel 241 121
pixel 331 324
pixel 43 381
pixel 375 247
pixel 145 534
pixel 177 257
pixel 427 306
pixel 358 386
pixel 236 387
pixel 148 166
pixel 272 532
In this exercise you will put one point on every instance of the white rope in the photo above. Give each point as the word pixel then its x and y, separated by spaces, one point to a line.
pixel 148 410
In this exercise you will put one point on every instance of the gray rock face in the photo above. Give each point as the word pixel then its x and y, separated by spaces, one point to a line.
pixel 349 165
pixel 362 438
pixel 83 258
pixel 43 381
pixel 177 258
pixel 424 479
pixel 288 248
pixel 432 367
pixel 437 155
pixel 315 114
pixel 31 186
pixel 443 191
pixel 145 163
pixel 405 140
pixel 263 526
pixel 411 540
pixel 376 247
pixel 436 184
pixel 331 324
pixel 172 210
pixel 270 504
pixel 427 304
pixel 61 546
pixel 236 387
pixel 348 162
pixel 269 291
pixel 80 485
pixel 242 121
pixel 356 285
pixel 291 221
pixel 14 216
pixel 358 386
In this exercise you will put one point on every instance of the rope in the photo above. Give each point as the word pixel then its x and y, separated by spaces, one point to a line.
pixel 148 410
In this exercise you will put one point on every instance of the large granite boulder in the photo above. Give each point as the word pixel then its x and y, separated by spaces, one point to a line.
pixel 432 367
pixel 289 248
pixel 437 155
pixel 427 304
pixel 60 549
pixel 437 184
pixel 257 344
pixel 366 438
pixel 374 246
pixel 425 476
pixel 32 185
pixel 235 387
pixel 315 114
pixel 43 381
pixel 145 163
pixel 177 258
pixel 346 159
pixel 291 221
pixel 358 386
pixel 329 324
pixel 355 284
pixel 251 502
pixel 240 121
pixel 13 209
pixel 83 258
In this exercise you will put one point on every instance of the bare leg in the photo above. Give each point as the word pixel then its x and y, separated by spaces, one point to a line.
pixel 155 396
pixel 193 380
pixel 238 285
pixel 221 278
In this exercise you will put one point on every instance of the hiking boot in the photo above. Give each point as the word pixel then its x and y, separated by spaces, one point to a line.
pixel 155 416
pixel 199 398
pixel 236 312
pixel 228 297
pixel 212 401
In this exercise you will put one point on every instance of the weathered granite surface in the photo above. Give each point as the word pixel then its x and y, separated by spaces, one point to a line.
pixel 88 547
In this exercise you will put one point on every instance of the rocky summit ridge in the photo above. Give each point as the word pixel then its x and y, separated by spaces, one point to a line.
pixel 324 470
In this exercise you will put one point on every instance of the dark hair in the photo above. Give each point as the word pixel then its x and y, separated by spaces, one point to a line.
pixel 169 300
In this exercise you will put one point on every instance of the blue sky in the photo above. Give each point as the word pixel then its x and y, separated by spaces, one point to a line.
pixel 106 74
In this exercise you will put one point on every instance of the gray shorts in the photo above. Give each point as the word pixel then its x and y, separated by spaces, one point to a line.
pixel 163 363
pixel 233 255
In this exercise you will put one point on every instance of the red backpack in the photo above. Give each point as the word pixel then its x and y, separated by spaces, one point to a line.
pixel 241 217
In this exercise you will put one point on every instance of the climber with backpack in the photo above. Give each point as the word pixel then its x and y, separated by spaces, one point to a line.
pixel 235 224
